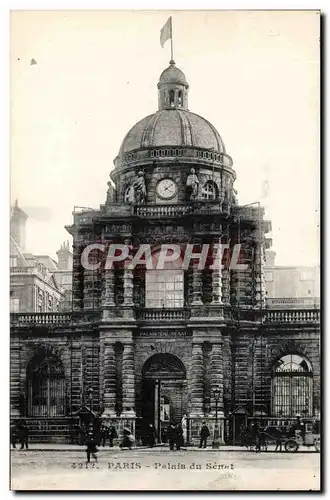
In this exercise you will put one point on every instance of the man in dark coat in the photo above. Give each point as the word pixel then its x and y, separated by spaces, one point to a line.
pixel 204 434
pixel 150 435
pixel 23 435
pixel 255 432
pixel 178 436
pixel 171 435
pixel 13 435
pixel 104 434
pixel 112 434
pixel 91 446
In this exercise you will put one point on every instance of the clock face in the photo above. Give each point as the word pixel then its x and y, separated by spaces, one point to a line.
pixel 166 189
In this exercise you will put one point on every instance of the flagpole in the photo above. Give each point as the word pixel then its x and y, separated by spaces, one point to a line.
pixel 171 41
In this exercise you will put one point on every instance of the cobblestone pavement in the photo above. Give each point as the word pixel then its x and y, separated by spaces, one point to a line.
pixel 161 469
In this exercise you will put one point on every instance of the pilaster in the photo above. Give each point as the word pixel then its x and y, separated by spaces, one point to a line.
pixel 197 380
pixel 109 381
pixel 128 380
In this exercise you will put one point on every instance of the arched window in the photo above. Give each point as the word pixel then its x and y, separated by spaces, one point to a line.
pixel 172 97
pixel 46 385
pixel 292 387
pixel 210 191
pixel 129 194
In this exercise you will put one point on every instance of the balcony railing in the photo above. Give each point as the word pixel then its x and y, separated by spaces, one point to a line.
pixel 163 314
pixel 40 318
pixel 163 210
pixel 279 316
pixel 292 316
pixel 180 210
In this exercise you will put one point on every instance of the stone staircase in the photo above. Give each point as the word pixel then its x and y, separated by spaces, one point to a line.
pixel 49 430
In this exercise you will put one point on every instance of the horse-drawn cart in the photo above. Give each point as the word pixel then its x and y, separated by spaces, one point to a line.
pixel 308 439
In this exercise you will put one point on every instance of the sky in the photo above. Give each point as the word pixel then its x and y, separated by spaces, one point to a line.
pixel 253 74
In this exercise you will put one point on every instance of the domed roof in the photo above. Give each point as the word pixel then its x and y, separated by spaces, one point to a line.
pixel 172 74
pixel 173 127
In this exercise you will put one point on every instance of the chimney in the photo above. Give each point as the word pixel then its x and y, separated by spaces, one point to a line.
pixel 17 225
pixel 64 256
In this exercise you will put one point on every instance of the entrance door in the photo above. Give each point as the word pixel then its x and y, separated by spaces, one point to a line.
pixel 162 398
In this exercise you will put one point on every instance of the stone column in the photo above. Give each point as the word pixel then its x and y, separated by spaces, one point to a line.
pixel 216 375
pixel 197 380
pixel 216 370
pixel 196 286
pixel 128 287
pixel 109 289
pixel 225 274
pixel 109 381
pixel 217 273
pixel 128 380
pixel 128 281
pixel 88 289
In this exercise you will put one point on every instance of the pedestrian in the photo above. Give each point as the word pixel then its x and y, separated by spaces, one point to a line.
pixel 151 436
pixel 112 433
pixel 127 440
pixel 278 440
pixel 178 436
pixel 171 434
pixel 91 448
pixel 23 435
pixel 13 435
pixel 204 434
pixel 256 436
pixel 104 434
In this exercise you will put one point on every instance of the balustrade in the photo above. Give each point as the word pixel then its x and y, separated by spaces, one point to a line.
pixel 163 210
pixel 292 316
pixel 163 314
pixel 269 316
pixel 40 318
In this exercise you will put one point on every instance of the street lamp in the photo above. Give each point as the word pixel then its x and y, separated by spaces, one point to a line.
pixel 216 436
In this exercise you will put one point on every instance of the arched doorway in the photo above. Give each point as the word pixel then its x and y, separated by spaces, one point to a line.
pixel 45 385
pixel 164 377
pixel 292 387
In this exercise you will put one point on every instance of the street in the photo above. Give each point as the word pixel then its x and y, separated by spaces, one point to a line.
pixel 161 469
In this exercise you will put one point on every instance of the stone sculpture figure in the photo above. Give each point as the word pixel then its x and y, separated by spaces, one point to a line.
pixel 192 184
pixel 140 191
pixel 111 193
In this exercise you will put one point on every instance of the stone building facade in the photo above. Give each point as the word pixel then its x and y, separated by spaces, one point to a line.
pixel 179 342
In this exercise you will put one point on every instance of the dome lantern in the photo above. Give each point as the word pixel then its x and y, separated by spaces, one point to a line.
pixel 172 89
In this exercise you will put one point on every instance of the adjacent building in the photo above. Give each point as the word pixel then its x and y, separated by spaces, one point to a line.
pixel 38 284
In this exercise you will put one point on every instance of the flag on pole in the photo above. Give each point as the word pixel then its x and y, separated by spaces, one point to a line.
pixel 166 31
